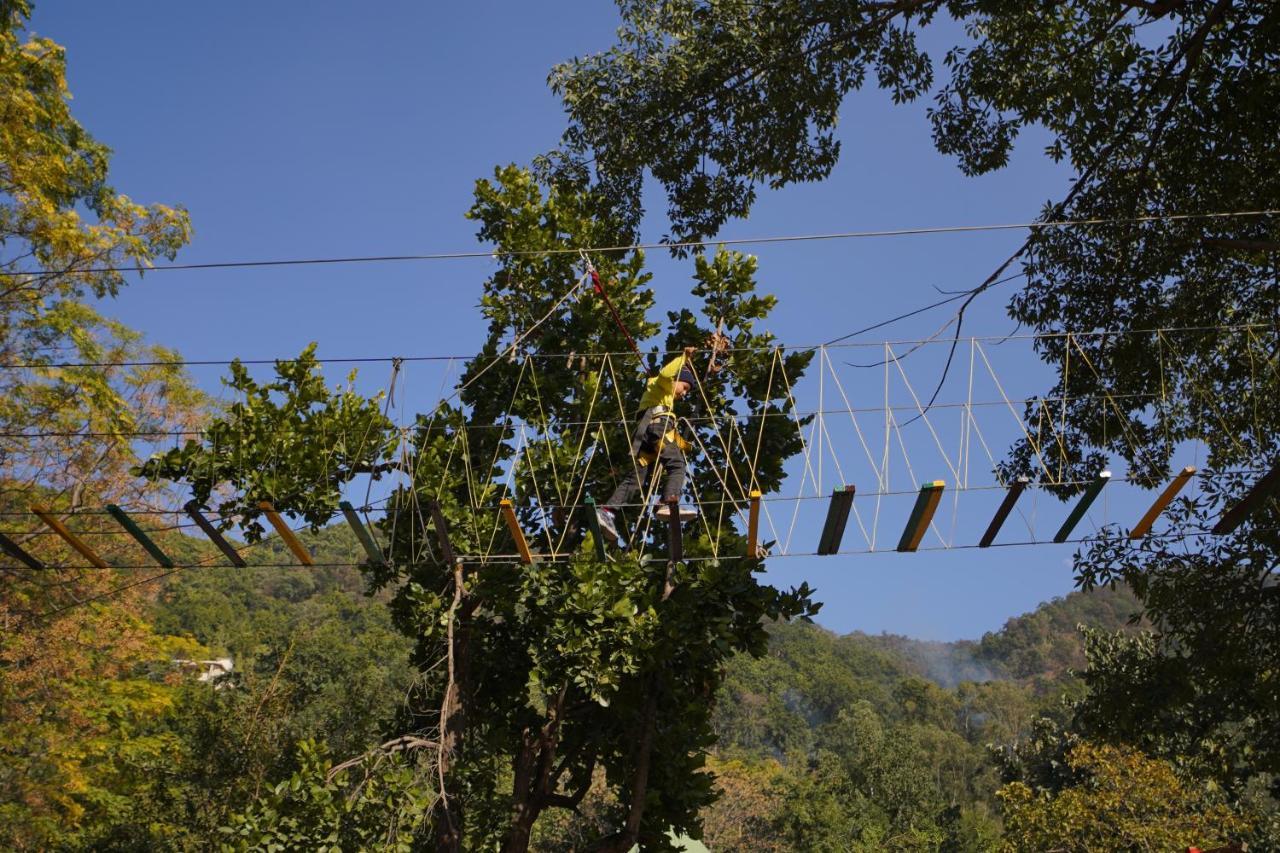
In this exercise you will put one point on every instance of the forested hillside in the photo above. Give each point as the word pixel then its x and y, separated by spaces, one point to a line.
pixel 888 742
pixel 1043 644
pixel 318 672
pixel 826 740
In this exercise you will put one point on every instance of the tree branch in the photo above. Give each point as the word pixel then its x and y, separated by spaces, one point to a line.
pixel 404 743
pixel 1191 51
pixel 452 719
pixel 1155 8
pixel 573 800
pixel 1242 245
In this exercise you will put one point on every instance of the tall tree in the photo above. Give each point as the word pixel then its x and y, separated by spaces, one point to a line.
pixel 1200 690
pixel 1174 119
pixel 64 231
pixel 67 439
pixel 1166 110
pixel 533 676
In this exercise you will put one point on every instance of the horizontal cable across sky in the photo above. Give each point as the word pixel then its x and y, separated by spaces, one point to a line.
pixel 391 359
pixel 690 244
pixel 625 422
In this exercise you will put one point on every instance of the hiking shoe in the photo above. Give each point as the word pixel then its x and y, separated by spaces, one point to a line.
pixel 663 511
pixel 605 517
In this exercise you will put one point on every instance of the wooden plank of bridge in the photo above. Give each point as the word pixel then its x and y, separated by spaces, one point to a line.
pixel 193 509
pixel 122 518
pixel 921 515
pixel 513 525
pixel 70 538
pixel 1143 527
pixel 1016 488
pixel 1090 494
pixel 290 539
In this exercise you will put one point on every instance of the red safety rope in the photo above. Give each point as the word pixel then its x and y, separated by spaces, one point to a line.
pixel 599 288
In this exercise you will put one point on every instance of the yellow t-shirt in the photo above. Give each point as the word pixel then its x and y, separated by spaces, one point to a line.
pixel 661 389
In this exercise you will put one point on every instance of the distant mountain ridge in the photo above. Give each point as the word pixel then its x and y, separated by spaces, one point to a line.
pixel 1043 643
pixel 775 705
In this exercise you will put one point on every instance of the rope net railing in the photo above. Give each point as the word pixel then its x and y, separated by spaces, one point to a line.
pixel 932 466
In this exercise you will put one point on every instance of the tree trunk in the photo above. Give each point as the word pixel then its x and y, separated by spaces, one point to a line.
pixel 446 813
pixel 535 777
pixel 622 842
pixel 524 811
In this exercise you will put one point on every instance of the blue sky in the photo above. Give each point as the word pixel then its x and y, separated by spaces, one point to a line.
pixel 323 129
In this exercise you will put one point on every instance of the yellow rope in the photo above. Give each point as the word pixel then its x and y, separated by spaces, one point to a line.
pixel 622 413
pixel 587 426
pixel 715 426
pixel 736 431
pixel 635 466
pixel 497 451
pixel 702 516
pixel 804 448
pixel 857 516
pixel 533 481
pixel 1124 421
pixel 857 428
pixel 1062 427
pixel 546 432
pixel 924 416
pixel 1253 384
pixel 1230 433
pixel 497 518
pixel 723 485
pixel 1035 446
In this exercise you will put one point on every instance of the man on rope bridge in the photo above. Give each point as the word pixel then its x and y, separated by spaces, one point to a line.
pixel 656 441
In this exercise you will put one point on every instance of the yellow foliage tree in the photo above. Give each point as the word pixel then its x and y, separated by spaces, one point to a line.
pixel 71 646
pixel 64 235
pixel 751 801
pixel 1124 801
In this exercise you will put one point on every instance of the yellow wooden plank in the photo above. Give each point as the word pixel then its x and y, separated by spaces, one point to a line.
pixel 1143 527
pixel 926 517
pixel 513 524
pixel 71 539
pixel 299 551
pixel 753 526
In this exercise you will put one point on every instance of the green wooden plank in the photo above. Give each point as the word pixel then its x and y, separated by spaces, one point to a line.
pixel 1082 506
pixel 837 518
pixel 846 504
pixel 593 523
pixel 362 534
pixel 123 519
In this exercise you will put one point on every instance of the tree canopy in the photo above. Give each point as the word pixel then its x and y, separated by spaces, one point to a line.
pixel 1162 109
pixel 1168 114
pixel 533 676
pixel 72 676
pixel 579 699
